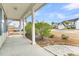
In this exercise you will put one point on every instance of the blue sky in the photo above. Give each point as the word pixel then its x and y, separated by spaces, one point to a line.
pixel 57 12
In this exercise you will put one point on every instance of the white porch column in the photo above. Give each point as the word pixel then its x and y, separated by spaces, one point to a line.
pixel 20 26
pixel 7 28
pixel 23 28
pixel 33 28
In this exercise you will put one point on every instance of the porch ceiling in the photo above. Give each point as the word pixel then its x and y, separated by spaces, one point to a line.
pixel 19 10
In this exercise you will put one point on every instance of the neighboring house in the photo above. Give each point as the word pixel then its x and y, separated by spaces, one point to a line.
pixel 58 26
pixel 55 26
pixel 73 23
pixel 70 24
pixel 77 24
pixel 61 26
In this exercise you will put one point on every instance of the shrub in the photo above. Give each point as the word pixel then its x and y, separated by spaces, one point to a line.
pixel 28 29
pixel 51 36
pixel 67 22
pixel 65 37
pixel 72 54
pixel 41 28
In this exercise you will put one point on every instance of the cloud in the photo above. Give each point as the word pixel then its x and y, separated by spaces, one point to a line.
pixel 76 16
pixel 60 16
pixel 57 15
pixel 71 6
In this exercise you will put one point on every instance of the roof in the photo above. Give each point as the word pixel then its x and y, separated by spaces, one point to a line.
pixel 69 20
pixel 73 19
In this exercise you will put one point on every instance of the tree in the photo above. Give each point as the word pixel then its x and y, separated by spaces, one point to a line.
pixel 66 22
pixel 52 23
pixel 41 28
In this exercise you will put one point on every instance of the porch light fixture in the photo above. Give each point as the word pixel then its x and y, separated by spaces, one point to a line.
pixel 15 8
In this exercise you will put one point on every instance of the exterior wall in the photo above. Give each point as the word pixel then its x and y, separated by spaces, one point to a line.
pixel 61 26
pixel 0 20
pixel 2 38
pixel 77 24
pixel 2 29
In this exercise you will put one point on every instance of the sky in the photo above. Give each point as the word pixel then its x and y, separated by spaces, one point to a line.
pixel 57 12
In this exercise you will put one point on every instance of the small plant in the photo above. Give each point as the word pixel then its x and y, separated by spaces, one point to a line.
pixel 51 36
pixel 71 54
pixel 65 37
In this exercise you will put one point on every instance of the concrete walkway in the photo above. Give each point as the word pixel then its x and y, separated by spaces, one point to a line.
pixel 62 50
pixel 18 46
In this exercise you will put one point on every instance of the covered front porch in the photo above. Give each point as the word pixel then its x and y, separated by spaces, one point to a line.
pixel 20 46
pixel 18 12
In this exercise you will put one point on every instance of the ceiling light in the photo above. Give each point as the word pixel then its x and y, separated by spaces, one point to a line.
pixel 15 8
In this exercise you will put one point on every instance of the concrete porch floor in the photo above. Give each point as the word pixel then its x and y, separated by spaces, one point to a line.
pixel 18 46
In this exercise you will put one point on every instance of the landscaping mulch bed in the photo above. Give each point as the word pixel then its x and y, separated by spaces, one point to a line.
pixel 57 41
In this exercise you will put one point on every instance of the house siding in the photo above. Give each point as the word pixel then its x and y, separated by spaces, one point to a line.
pixel 2 29
pixel 61 26
pixel 77 24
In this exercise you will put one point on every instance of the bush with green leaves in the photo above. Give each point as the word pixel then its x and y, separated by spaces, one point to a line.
pixel 52 36
pixel 67 22
pixel 41 28
pixel 28 29
pixel 64 37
